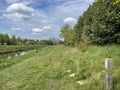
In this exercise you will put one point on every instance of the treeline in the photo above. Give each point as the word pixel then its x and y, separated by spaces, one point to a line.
pixel 6 40
pixel 100 24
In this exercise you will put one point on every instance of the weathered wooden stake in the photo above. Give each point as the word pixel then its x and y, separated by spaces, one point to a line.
pixel 108 65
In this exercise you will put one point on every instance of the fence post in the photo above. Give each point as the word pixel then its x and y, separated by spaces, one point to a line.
pixel 108 65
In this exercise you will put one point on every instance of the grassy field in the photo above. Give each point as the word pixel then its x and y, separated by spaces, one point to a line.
pixel 14 48
pixel 60 68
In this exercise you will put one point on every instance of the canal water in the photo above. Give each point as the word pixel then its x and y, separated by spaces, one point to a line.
pixel 13 54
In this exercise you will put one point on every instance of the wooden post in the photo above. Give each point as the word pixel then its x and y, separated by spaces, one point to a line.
pixel 108 65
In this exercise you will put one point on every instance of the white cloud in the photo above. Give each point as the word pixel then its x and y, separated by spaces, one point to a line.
pixel 28 15
pixel 19 7
pixel 28 2
pixel 16 28
pixel 17 16
pixel 46 27
pixel 89 1
pixel 45 21
pixel 69 20
pixel 39 30
pixel 12 1
pixel 25 2
pixel 19 11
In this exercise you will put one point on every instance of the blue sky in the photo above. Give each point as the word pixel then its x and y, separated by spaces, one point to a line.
pixel 39 19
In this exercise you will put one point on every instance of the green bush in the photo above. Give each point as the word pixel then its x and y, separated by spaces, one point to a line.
pixel 83 46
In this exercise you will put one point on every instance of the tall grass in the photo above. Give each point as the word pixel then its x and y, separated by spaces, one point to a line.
pixel 46 69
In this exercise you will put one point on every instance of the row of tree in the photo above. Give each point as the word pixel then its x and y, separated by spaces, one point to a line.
pixel 6 40
pixel 100 24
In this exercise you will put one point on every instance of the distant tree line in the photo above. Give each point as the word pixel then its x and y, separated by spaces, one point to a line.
pixel 6 40
pixel 100 24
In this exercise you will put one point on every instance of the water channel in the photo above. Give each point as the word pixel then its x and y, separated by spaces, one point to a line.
pixel 12 54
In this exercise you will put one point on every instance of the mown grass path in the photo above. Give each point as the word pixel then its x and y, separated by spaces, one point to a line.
pixel 46 69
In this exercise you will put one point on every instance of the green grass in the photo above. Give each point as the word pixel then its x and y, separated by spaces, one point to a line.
pixel 46 69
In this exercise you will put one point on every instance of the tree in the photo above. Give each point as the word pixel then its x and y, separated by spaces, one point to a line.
pixel 13 40
pixel 19 41
pixel 79 29
pixel 68 34
pixel 6 39
pixel 100 23
pixel 1 38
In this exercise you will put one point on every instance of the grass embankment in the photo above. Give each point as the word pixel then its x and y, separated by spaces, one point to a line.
pixel 14 48
pixel 60 68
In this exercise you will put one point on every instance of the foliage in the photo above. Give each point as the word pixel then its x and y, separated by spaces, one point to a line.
pixel 6 40
pixel 15 48
pixel 101 23
pixel 68 34
pixel 13 40
pixel 82 46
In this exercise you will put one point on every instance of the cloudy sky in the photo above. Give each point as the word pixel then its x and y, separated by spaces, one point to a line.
pixel 39 19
